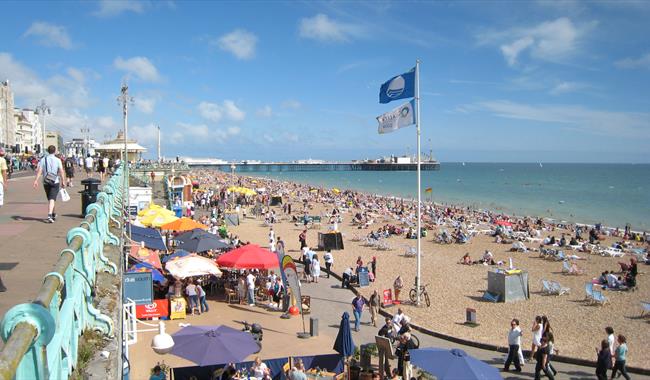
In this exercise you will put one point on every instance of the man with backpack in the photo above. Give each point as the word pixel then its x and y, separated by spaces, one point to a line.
pixel 69 170
pixel 51 168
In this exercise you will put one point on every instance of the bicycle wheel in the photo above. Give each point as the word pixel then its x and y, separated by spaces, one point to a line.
pixel 413 295
pixel 415 340
pixel 426 299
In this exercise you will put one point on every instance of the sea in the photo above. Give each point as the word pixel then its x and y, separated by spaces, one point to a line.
pixel 611 194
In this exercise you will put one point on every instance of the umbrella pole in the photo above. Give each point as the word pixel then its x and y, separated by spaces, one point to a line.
pixel 304 334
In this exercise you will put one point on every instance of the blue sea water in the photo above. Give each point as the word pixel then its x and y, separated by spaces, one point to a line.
pixel 613 194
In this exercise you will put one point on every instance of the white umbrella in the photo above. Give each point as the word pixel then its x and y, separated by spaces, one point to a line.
pixel 192 265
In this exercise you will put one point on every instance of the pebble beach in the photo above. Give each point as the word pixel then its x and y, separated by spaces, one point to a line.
pixel 578 325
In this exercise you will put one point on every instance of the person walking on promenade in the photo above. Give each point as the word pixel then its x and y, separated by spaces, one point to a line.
pixel 250 287
pixel 69 170
pixel 51 168
pixel 397 286
pixel 302 238
pixel 358 304
pixel 514 342
pixel 604 361
pixel 4 181
pixel 619 355
pixel 202 301
pixel 611 339
pixel 101 168
pixel 542 355
pixel 537 336
pixel 329 262
pixel 88 165
pixel 315 268
pixel 192 294
pixel 373 303
pixel 386 331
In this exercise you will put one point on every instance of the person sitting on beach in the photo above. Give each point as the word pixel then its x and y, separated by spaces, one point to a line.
pixel 487 259
pixel 466 259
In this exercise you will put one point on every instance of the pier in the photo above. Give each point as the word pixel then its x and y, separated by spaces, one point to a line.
pixel 314 167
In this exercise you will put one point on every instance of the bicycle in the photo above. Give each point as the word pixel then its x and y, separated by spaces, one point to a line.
pixel 423 292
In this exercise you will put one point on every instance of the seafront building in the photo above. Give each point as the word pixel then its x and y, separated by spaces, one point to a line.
pixel 28 132
pixel 7 120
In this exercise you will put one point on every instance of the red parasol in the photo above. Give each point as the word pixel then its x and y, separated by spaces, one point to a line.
pixel 250 256
pixel 503 223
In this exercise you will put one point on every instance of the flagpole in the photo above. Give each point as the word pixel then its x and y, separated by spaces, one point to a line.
pixel 419 216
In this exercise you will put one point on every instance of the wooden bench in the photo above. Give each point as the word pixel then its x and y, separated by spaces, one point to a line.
pixel 231 295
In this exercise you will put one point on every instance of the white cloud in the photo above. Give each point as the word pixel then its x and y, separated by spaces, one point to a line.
pixel 292 104
pixel 109 8
pixel 49 35
pixel 145 135
pixel 642 62
pixel 553 41
pixel 240 43
pixel 140 67
pixel 265 111
pixel 215 112
pixel 145 104
pixel 566 87
pixel 322 28
pixel 587 120
pixel 186 131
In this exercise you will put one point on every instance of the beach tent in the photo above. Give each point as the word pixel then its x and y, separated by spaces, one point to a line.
pixel 183 224
pixel 250 256
pixel 192 265
pixel 149 236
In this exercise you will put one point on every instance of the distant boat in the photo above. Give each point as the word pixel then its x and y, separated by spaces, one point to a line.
pixel 540 165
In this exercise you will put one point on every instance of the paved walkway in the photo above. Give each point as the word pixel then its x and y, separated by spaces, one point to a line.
pixel 29 247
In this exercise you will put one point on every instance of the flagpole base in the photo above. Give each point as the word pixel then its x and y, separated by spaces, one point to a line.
pixel 304 335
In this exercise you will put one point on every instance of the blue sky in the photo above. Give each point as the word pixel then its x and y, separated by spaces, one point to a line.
pixel 501 81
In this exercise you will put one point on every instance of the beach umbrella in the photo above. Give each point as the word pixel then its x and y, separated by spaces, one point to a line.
pixel 192 265
pixel 336 191
pixel 146 267
pixel 452 364
pixel 202 243
pixel 154 209
pixel 178 253
pixel 183 224
pixel 249 256
pixel 213 345
pixel 343 343
pixel 146 256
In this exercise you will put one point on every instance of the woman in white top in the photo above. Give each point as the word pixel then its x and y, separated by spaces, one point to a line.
pixel 315 268
pixel 259 369
pixel 537 336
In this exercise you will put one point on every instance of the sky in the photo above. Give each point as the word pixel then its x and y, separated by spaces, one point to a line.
pixel 521 81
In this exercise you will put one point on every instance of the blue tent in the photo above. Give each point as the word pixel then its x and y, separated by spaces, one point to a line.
pixel 151 237
pixel 343 343
pixel 453 364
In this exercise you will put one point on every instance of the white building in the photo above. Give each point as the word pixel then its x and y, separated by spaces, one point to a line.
pixel 7 120
pixel 28 132
pixel 81 147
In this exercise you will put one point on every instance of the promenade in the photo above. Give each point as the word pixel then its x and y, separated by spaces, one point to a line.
pixel 29 247
pixel 328 302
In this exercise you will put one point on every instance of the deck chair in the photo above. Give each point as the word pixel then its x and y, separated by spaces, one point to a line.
pixel 589 291
pixel 546 287
pixel 557 288
pixel 566 268
pixel 231 295
pixel 646 307
pixel 599 298
pixel 410 251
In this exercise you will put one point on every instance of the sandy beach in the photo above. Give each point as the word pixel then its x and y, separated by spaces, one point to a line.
pixel 578 326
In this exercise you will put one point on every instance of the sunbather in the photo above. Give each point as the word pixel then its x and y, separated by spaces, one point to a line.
pixel 466 259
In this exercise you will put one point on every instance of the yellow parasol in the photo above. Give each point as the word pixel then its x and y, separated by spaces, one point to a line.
pixel 336 191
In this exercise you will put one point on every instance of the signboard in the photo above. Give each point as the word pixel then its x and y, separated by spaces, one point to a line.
pixel 157 309
pixel 139 198
pixel 137 286
pixel 178 306
pixel 364 280
pixel 388 297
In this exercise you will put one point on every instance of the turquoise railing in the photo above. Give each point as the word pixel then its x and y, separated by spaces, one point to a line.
pixel 42 337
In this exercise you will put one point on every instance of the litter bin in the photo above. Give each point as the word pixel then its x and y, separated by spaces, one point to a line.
pixel 89 193
pixel 178 211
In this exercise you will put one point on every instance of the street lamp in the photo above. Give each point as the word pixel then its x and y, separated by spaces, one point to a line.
pixel 42 110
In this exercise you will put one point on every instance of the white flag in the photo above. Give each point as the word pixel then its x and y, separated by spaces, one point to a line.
pixel 400 117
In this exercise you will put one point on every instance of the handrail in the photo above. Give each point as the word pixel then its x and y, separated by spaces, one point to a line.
pixel 42 337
